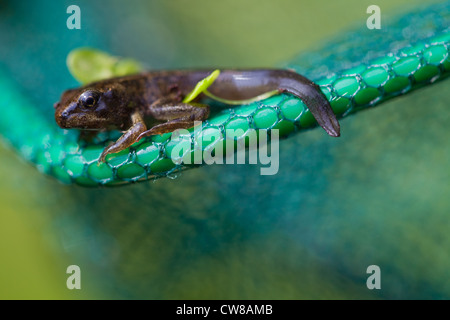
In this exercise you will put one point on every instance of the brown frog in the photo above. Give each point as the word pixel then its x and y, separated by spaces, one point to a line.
pixel 128 103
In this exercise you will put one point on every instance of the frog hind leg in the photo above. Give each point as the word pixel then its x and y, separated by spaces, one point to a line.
pixel 128 138
pixel 178 116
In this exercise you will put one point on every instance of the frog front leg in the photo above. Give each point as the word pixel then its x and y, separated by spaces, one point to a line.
pixel 178 115
pixel 128 138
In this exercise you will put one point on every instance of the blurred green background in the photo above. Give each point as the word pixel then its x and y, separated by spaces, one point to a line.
pixel 378 195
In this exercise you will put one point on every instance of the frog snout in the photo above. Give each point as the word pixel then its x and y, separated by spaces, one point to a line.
pixel 62 117
pixel 65 114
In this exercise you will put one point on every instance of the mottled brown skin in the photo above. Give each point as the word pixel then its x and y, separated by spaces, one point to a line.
pixel 126 103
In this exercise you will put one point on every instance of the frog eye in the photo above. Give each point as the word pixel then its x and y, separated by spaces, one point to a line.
pixel 89 98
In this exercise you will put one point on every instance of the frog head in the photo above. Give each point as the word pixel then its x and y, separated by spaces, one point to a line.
pixel 94 107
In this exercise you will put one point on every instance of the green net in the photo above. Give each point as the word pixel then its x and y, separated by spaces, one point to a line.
pixel 358 72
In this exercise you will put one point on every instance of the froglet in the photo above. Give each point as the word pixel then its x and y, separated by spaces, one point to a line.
pixel 133 103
